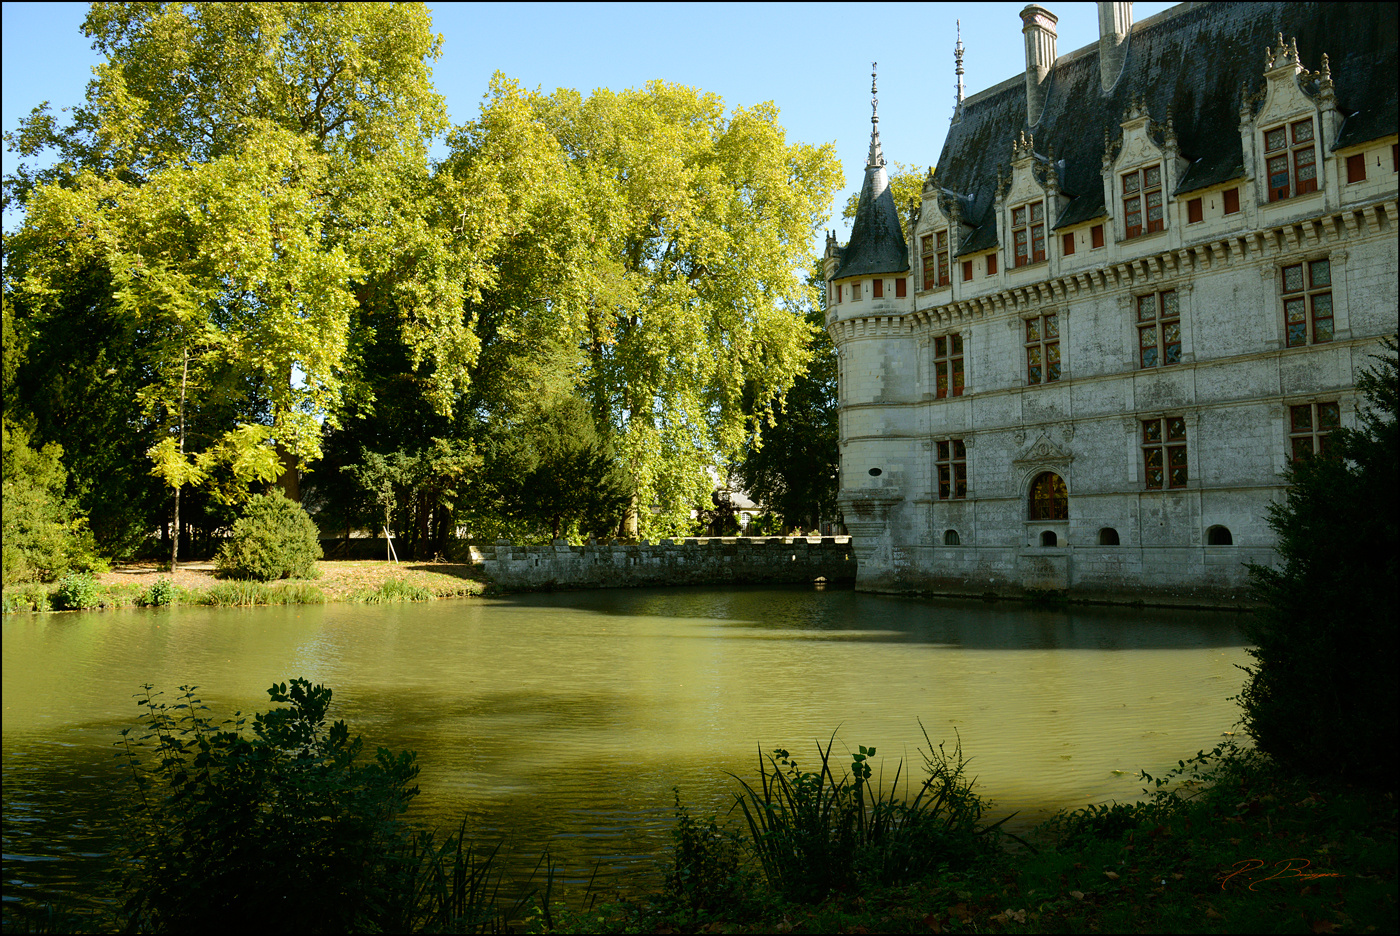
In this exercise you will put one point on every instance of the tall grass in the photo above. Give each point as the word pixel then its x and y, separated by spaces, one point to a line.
pixel 814 832
pixel 455 887
pixel 243 592
pixel 393 590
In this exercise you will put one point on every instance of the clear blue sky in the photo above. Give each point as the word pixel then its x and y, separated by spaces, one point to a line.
pixel 811 60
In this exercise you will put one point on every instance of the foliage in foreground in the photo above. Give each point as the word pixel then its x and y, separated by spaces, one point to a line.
pixel 275 538
pixel 1325 642
pixel 1226 842
pixel 813 833
pixel 285 831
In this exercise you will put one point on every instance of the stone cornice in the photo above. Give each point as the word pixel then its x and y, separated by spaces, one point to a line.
pixel 1278 241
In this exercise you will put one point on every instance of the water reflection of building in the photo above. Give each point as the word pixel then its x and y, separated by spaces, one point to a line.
pixel 1142 277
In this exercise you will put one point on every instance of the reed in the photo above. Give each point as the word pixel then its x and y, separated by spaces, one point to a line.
pixel 394 590
pixel 814 832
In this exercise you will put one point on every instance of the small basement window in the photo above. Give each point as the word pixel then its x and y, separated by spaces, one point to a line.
pixel 950 538
pixel 1108 536
pixel 1048 538
pixel 1219 536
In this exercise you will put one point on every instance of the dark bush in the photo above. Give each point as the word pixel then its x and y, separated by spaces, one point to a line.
pixel 1321 694
pixel 275 538
pixel 279 832
pixel 708 873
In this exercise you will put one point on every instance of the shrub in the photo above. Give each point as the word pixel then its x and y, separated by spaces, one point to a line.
pixel 1325 640
pixel 77 591
pixel 275 538
pixel 44 534
pixel 707 873
pixel 283 831
pixel 161 592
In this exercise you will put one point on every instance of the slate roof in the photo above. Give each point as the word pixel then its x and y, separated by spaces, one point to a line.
pixel 1191 61
pixel 877 243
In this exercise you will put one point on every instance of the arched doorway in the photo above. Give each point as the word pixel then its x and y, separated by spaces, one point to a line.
pixel 1048 499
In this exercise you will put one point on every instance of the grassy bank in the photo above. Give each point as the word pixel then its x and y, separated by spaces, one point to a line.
pixel 147 584
pixel 1230 846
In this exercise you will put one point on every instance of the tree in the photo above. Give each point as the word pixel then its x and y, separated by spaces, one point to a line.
pixel 556 475
pixel 253 179
pixel 669 273
pixel 791 464
pixel 44 534
pixel 1325 640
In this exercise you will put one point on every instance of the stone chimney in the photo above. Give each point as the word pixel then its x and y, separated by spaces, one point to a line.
pixel 1115 23
pixel 1040 57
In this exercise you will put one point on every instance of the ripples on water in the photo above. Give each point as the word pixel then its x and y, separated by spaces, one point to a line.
pixel 564 720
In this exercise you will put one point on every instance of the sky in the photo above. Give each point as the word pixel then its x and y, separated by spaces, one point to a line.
pixel 812 61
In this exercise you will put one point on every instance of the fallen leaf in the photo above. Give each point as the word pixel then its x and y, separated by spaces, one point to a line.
pixel 934 923
pixel 1212 915
pixel 1077 895
pixel 1111 875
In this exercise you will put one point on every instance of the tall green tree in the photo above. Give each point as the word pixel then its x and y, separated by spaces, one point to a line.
pixel 671 233
pixel 1321 696
pixel 790 464
pixel 254 179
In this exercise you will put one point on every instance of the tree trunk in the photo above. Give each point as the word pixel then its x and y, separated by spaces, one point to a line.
pixel 290 478
pixel 184 379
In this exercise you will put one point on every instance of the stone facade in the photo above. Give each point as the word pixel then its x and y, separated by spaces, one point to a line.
pixel 1138 282
pixel 716 561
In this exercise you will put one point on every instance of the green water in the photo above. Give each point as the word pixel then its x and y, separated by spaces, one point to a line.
pixel 563 721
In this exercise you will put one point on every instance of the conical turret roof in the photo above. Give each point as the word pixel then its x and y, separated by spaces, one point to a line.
pixel 876 244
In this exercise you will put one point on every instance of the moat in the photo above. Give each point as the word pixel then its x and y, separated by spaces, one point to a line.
pixel 564 720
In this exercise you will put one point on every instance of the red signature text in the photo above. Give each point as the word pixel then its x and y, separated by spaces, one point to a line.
pixel 1290 869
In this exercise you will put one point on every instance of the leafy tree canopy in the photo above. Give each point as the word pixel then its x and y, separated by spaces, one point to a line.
pixel 791 465
pixel 667 236
pixel 251 176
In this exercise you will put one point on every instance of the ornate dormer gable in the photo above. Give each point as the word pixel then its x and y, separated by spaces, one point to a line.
pixel 1055 197
pixel 1296 122
pixel 935 239
pixel 1024 206
pixel 1139 177
pixel 933 207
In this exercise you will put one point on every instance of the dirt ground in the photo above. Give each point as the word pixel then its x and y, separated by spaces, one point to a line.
pixel 339 578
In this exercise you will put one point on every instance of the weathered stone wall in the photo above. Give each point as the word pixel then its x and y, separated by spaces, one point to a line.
pixel 710 561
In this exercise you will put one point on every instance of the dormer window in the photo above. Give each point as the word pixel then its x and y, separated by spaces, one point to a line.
pixel 1028 233
pixel 1292 160
pixel 934 250
pixel 1142 195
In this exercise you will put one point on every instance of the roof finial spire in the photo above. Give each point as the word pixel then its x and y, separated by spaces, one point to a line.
pixel 877 158
pixel 958 64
